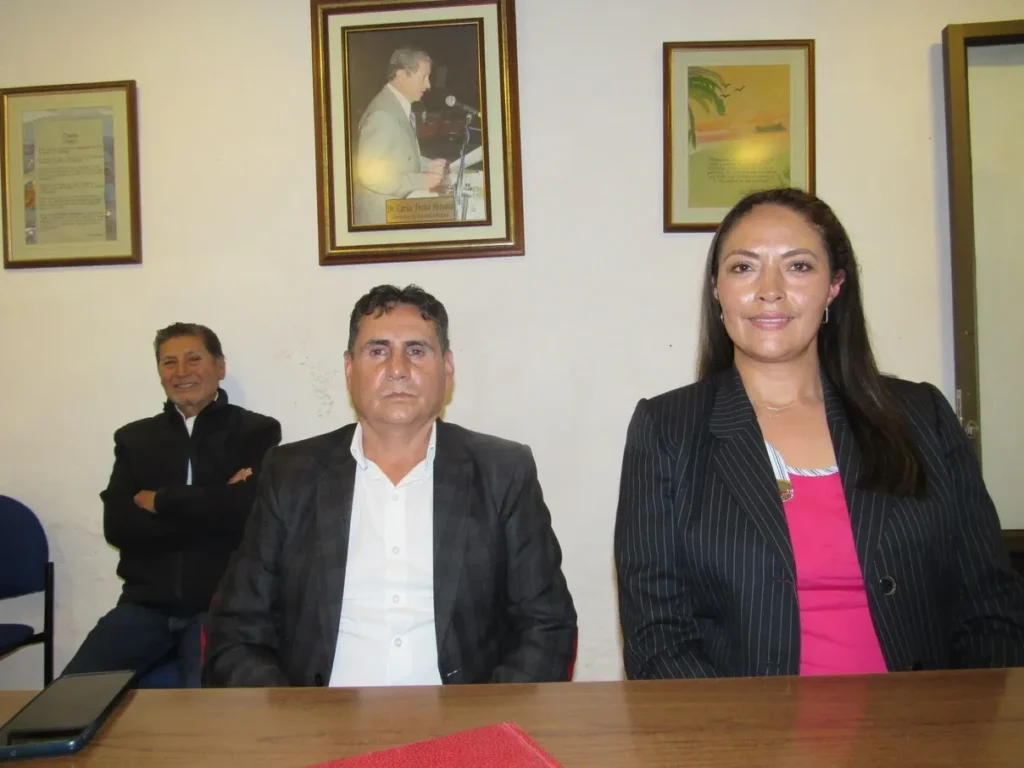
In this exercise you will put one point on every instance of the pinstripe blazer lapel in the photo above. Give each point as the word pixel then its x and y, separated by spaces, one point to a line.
pixel 741 460
pixel 333 519
pixel 868 509
pixel 453 476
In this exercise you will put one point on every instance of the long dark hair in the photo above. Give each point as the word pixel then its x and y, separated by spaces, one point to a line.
pixel 891 460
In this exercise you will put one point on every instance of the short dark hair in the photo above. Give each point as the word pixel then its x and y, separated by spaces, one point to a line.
pixel 408 59
pixel 174 330
pixel 892 462
pixel 384 298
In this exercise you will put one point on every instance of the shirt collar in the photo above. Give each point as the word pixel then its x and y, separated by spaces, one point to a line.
pixel 186 418
pixel 363 462
pixel 406 104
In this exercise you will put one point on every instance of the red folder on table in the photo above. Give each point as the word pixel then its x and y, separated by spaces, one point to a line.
pixel 496 746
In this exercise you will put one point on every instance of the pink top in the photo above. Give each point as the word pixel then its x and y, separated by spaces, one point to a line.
pixel 837 635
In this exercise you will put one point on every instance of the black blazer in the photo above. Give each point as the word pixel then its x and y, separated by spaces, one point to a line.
pixel 502 609
pixel 705 565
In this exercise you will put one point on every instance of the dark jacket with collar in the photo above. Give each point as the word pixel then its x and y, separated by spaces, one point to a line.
pixel 171 560
pixel 705 564
pixel 502 609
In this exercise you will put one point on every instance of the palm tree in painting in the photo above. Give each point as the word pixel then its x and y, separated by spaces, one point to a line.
pixel 707 88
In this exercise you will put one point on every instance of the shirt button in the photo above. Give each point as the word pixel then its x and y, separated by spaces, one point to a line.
pixel 888 585
pixel 394 598
pixel 394 497
pixel 398 642
pixel 395 550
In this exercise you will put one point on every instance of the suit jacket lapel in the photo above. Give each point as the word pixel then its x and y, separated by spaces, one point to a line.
pixel 453 476
pixel 867 509
pixel 333 518
pixel 740 458
pixel 399 112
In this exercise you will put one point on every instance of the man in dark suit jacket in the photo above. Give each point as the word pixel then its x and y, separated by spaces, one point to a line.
pixel 181 489
pixel 400 550
pixel 388 163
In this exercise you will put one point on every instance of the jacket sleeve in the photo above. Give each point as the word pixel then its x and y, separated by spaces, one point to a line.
pixel 126 525
pixel 989 607
pixel 659 634
pixel 221 510
pixel 541 635
pixel 244 625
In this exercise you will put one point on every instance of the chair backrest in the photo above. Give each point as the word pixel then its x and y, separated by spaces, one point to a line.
pixel 24 551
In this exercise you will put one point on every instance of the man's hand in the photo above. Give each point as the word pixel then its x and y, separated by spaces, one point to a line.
pixel 240 476
pixel 146 500
pixel 432 179
pixel 434 174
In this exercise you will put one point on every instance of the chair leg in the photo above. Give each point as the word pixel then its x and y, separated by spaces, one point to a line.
pixel 48 626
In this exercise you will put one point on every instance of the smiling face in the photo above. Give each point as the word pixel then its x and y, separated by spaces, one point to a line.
pixel 397 375
pixel 190 375
pixel 774 283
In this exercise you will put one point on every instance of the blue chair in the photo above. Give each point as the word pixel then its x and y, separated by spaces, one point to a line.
pixel 25 569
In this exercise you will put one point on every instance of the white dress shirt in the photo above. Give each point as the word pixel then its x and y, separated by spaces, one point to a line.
pixel 190 421
pixel 386 634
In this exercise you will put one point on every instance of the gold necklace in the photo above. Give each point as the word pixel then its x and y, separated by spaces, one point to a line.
pixel 773 410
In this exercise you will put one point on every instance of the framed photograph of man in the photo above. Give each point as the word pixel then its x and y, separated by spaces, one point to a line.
pixel 69 175
pixel 739 117
pixel 417 130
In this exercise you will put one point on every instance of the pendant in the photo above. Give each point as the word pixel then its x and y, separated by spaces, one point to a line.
pixel 785 490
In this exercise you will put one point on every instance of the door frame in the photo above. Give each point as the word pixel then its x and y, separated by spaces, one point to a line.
pixel 956 40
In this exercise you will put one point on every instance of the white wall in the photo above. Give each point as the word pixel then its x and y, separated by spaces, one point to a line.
pixel 996 82
pixel 552 349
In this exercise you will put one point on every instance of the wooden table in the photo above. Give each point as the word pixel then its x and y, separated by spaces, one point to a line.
pixel 914 719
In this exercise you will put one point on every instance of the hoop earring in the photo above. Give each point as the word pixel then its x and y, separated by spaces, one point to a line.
pixel 721 316
pixel 826 315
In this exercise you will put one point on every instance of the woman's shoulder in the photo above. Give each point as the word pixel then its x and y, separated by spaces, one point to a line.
pixel 680 410
pixel 913 394
pixel 924 405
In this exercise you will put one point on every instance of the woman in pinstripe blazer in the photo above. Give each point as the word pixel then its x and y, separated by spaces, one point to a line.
pixel 728 563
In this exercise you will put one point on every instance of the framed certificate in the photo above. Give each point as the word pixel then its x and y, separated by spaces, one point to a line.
pixel 69 177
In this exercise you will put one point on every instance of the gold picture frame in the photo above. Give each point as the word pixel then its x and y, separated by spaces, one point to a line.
pixel 69 175
pixel 375 202
pixel 739 117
